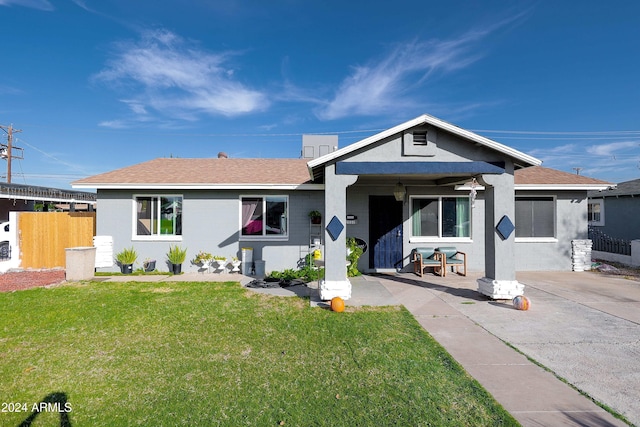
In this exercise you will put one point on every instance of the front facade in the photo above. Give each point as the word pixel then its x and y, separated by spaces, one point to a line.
pixel 424 183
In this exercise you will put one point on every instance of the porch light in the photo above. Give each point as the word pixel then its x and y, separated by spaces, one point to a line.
pixel 399 191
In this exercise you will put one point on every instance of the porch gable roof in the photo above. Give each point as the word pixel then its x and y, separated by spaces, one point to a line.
pixel 519 157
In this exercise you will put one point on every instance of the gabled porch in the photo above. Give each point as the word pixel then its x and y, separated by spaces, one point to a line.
pixel 412 170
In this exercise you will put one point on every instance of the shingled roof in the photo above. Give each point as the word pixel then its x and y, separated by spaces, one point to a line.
pixel 203 173
pixel 626 188
pixel 278 173
pixel 538 176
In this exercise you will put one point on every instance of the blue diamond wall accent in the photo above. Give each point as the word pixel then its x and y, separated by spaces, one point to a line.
pixel 505 227
pixel 334 228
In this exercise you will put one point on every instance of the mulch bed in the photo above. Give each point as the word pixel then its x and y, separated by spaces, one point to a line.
pixel 27 279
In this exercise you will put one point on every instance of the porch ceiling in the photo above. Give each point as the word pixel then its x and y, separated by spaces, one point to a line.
pixel 413 180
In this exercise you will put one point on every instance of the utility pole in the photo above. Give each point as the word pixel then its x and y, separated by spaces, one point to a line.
pixel 6 150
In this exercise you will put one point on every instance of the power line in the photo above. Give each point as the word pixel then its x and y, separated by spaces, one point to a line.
pixel 582 133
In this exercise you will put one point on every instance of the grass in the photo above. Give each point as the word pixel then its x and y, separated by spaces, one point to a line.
pixel 215 354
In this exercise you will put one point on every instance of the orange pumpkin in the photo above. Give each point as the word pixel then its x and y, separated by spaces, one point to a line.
pixel 337 304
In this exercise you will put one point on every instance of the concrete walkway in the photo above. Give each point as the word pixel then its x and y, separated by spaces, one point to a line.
pixel 582 326
pixel 585 327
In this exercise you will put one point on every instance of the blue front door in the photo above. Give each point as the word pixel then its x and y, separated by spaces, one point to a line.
pixel 385 232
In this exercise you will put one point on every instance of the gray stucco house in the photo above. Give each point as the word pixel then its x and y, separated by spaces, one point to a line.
pixel 423 183
pixel 614 211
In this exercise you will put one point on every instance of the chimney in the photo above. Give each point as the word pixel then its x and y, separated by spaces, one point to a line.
pixel 314 146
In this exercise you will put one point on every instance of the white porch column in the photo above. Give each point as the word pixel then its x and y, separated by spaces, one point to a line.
pixel 499 259
pixel 335 282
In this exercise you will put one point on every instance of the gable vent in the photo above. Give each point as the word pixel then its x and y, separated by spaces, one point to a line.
pixel 420 138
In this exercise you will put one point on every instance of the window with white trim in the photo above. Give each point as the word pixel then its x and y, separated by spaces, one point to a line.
pixel 595 212
pixel 535 217
pixel 264 216
pixel 440 217
pixel 158 215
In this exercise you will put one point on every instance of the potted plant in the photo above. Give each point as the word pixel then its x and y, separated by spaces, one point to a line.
pixel 203 259
pixel 176 257
pixel 316 217
pixel 235 265
pixel 126 258
pixel 149 265
pixel 354 251
pixel 221 261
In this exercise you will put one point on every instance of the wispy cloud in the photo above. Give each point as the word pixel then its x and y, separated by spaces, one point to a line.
pixel 610 149
pixel 619 160
pixel 82 4
pixel 33 4
pixel 389 83
pixel 175 78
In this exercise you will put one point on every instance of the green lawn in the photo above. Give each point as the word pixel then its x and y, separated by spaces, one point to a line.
pixel 215 354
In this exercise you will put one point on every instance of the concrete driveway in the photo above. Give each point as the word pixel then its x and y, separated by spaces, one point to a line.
pixel 584 327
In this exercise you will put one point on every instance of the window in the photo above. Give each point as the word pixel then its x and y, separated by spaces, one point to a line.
pixel 440 217
pixel 595 212
pixel 158 215
pixel 264 216
pixel 535 217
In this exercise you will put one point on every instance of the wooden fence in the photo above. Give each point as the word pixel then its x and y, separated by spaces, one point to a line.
pixel 605 243
pixel 44 236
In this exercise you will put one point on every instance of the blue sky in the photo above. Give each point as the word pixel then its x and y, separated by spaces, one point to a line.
pixel 96 85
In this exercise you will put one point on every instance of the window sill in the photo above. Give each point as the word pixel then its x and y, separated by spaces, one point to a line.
pixel 156 238
pixel 440 240
pixel 264 238
pixel 536 240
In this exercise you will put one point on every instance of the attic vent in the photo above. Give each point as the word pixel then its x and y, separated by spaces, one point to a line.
pixel 420 138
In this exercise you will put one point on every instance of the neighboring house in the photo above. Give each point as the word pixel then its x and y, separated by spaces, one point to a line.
pixel 614 211
pixel 409 186
pixel 21 197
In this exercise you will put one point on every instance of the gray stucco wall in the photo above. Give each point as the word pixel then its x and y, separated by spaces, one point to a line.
pixel 621 219
pixel 448 148
pixel 571 223
pixel 358 204
pixel 210 222
pixel 548 254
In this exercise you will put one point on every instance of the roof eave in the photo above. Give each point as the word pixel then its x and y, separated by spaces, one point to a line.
pixel 563 187
pixel 173 187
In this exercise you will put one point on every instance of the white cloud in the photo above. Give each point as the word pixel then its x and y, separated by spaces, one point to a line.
pixel 114 124
pixel 82 4
pixel 383 86
pixel 611 161
pixel 390 83
pixel 611 148
pixel 177 79
pixel 33 4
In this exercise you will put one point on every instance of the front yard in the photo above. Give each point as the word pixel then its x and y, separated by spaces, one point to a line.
pixel 216 354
